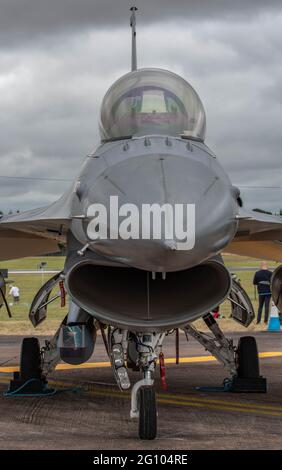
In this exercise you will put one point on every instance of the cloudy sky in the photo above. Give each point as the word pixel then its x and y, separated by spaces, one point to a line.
pixel 58 57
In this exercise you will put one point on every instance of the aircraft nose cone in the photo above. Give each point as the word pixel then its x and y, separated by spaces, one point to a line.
pixel 179 185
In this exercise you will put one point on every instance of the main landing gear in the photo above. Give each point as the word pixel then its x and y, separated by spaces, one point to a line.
pixel 242 362
pixel 248 377
pixel 35 364
pixel 139 352
pixel 29 380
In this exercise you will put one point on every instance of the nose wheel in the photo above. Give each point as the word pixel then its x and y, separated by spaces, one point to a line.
pixel 147 413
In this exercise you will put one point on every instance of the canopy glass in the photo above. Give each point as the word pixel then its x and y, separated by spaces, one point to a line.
pixel 152 101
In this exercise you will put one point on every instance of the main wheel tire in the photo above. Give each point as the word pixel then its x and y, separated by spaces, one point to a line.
pixel 247 358
pixel 147 413
pixel 30 364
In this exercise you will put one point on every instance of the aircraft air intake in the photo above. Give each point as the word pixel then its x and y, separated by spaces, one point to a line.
pixel 276 287
pixel 130 298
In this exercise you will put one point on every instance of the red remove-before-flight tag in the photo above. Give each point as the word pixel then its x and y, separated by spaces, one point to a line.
pixel 162 371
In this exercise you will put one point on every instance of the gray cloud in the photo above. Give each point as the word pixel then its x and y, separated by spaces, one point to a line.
pixel 51 88
pixel 22 20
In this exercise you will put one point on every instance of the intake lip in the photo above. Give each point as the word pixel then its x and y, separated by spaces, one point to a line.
pixel 129 298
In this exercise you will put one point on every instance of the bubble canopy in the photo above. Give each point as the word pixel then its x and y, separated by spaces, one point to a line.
pixel 152 101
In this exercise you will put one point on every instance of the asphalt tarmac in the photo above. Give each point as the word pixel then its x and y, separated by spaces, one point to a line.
pixel 89 411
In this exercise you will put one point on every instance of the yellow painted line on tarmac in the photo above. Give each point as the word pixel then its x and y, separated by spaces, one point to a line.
pixel 220 402
pixel 190 399
pixel 167 397
pixel 220 408
pixel 271 354
pixel 200 403
pixel 170 396
pixel 87 365
pixel 193 359
pixel 169 360
pixel 194 403
pixel 186 401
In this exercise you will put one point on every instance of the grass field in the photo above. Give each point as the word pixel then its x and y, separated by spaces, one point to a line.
pixel 30 283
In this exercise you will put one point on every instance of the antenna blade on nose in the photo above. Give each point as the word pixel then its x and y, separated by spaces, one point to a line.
pixel 133 50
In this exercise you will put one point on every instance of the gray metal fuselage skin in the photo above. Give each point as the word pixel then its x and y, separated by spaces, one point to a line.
pixel 157 170
pixel 149 284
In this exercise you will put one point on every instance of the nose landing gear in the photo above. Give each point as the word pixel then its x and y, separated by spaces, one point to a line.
pixel 143 395
pixel 138 351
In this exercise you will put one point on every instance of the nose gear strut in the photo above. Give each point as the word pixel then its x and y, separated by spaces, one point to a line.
pixel 143 398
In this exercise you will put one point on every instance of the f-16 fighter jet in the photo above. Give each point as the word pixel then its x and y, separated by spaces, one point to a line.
pixel 144 225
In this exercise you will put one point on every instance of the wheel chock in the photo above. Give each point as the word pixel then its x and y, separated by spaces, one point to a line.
pixel 30 387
